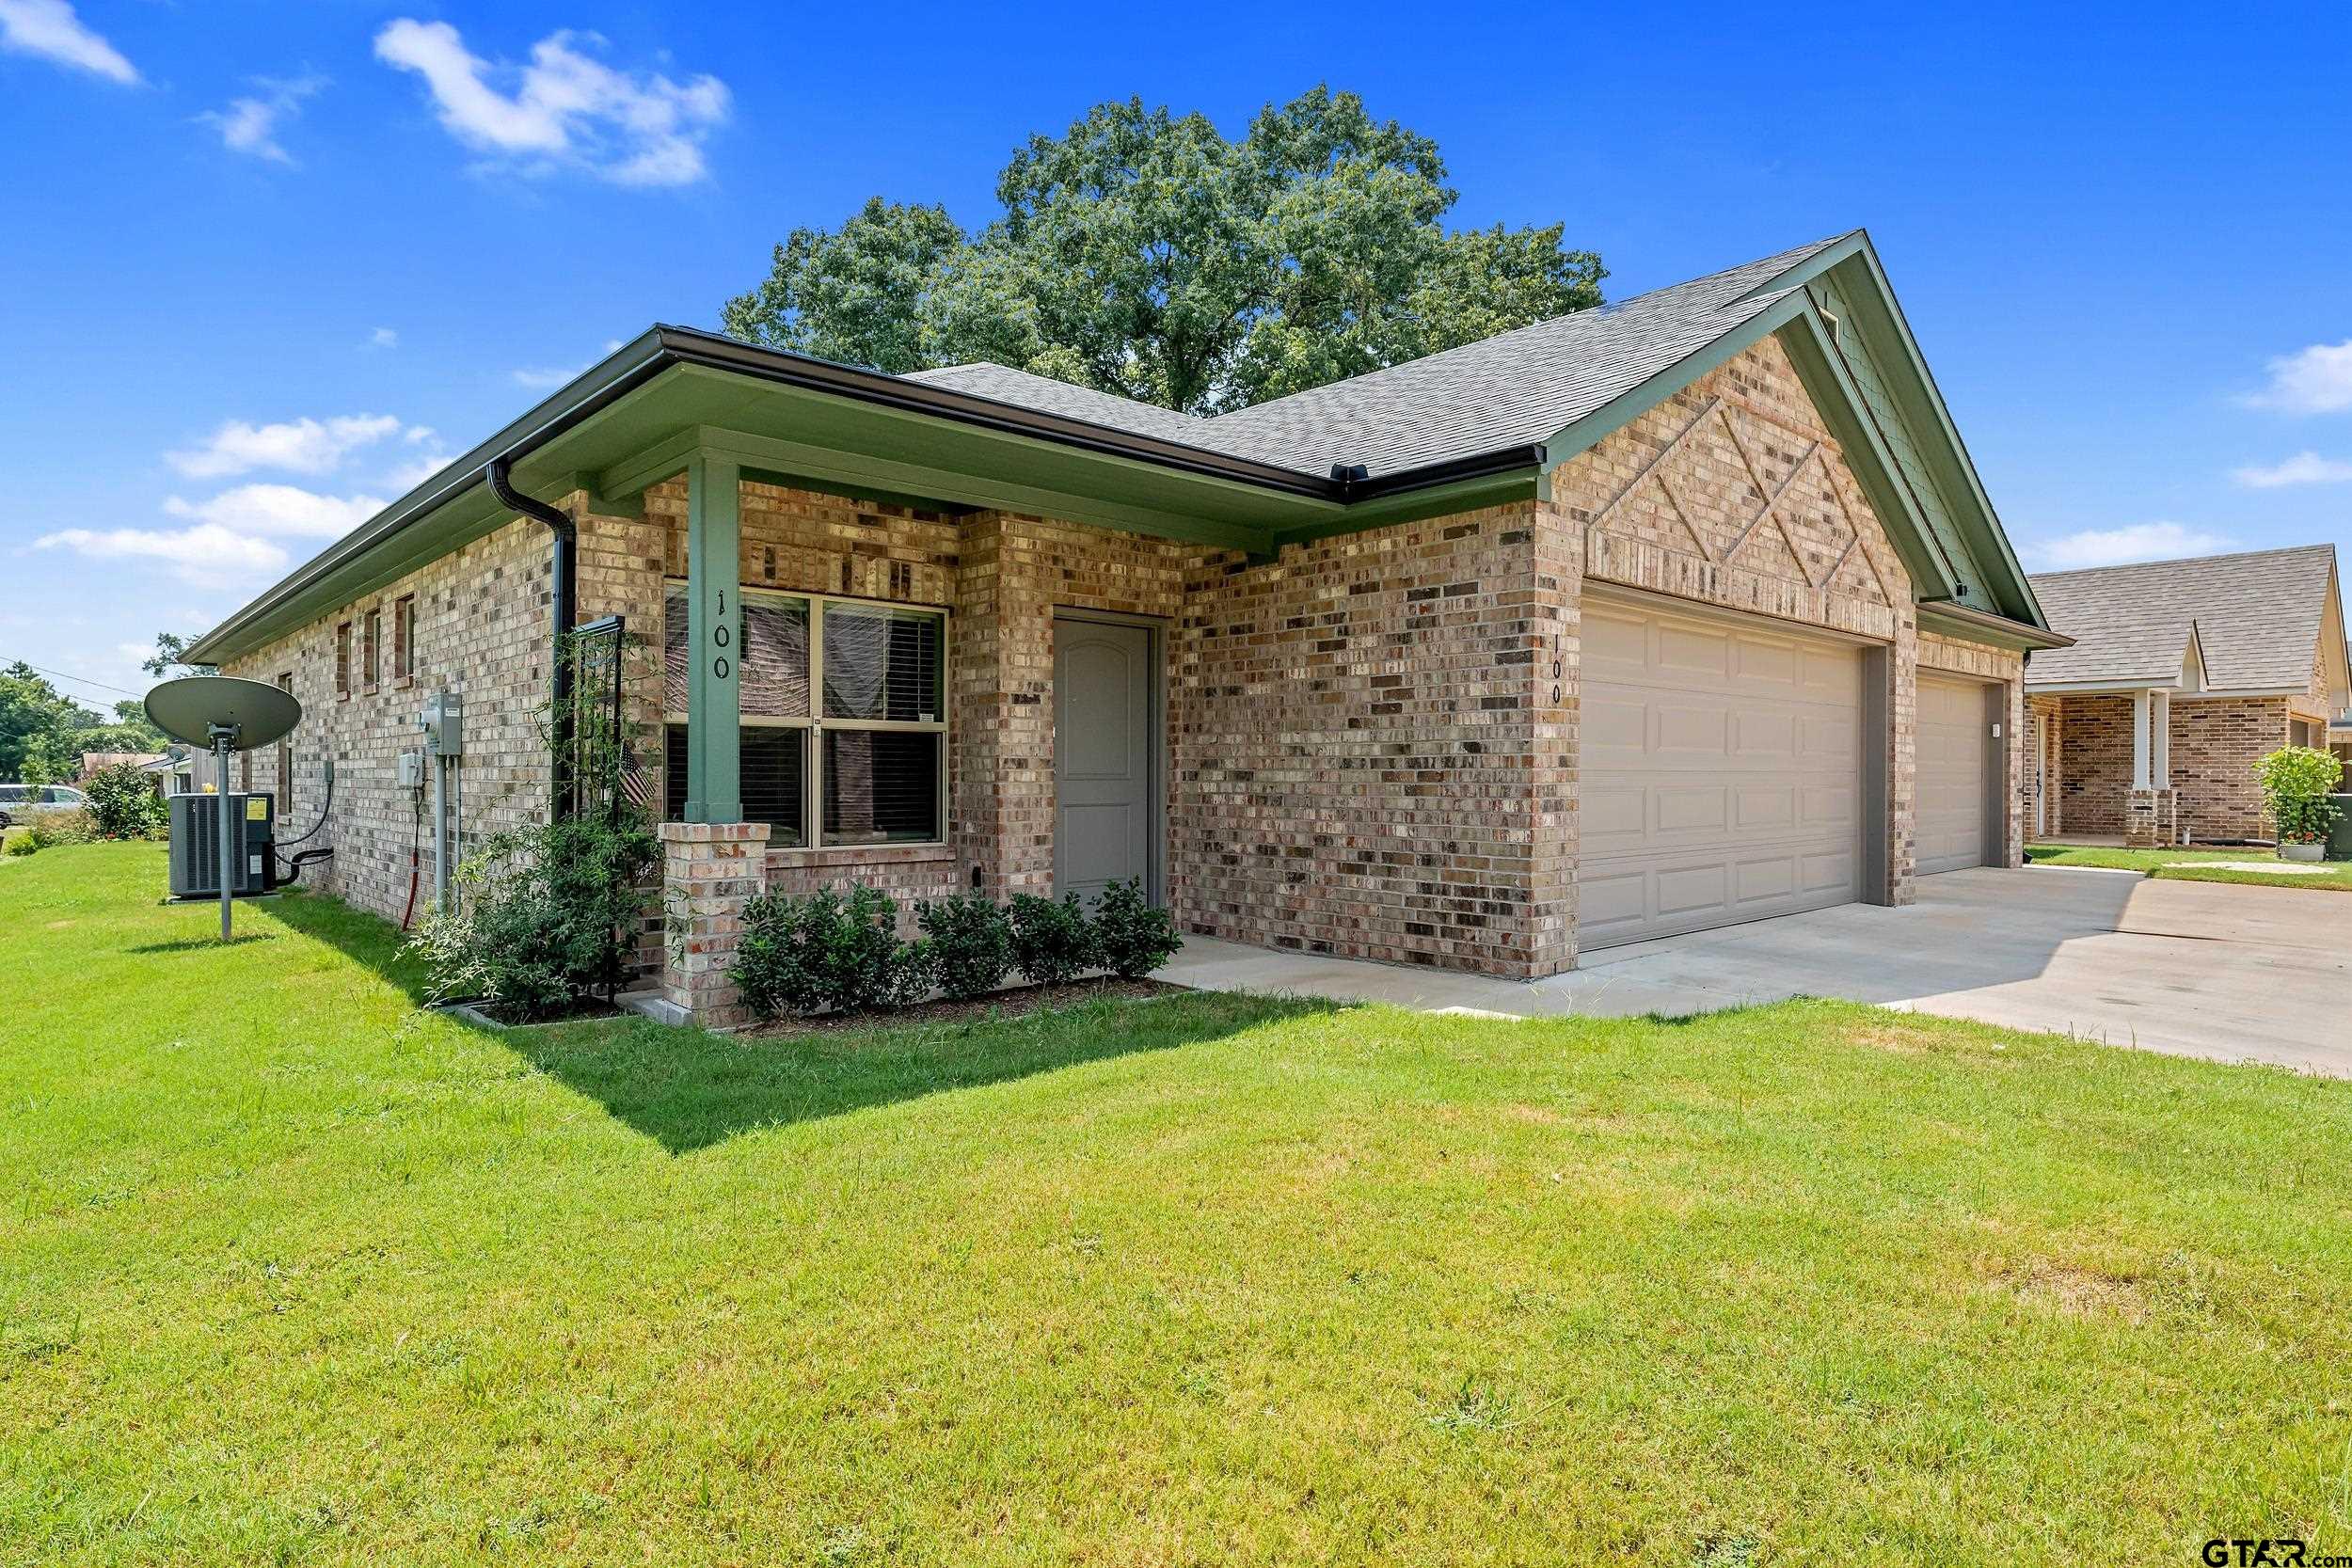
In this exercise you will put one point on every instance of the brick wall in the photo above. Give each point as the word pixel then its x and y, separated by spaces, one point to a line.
pixel 2215 743
pixel 2095 780
pixel 1357 732
pixel 483 623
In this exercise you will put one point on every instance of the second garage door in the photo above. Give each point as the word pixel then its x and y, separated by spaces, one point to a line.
pixel 1953 754
pixel 1722 772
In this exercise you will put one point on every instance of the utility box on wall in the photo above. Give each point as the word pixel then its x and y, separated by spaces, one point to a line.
pixel 2340 832
pixel 444 723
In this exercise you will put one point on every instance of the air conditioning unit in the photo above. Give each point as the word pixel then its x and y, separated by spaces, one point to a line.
pixel 195 843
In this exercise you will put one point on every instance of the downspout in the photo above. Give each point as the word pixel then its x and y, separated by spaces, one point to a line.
pixel 562 573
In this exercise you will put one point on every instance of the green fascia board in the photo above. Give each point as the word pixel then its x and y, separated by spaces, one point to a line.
pixel 777 459
pixel 1977 625
pixel 1886 335
pixel 1409 506
pixel 1795 320
pixel 1840 404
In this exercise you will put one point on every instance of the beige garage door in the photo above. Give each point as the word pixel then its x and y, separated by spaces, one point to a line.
pixel 1954 747
pixel 1722 774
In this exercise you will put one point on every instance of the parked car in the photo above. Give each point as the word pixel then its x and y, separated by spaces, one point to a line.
pixel 23 802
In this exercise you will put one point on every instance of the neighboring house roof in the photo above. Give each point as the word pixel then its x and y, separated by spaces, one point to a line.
pixel 2257 619
pixel 93 761
pixel 1516 388
pixel 1478 425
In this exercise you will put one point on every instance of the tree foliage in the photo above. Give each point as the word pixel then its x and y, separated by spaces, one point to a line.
pixel 1144 254
pixel 39 723
pixel 171 657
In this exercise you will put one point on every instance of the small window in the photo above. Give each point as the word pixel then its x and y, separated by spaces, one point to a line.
pixel 405 637
pixel 373 654
pixel 342 659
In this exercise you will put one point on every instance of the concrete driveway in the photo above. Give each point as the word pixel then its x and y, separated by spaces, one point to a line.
pixel 2200 969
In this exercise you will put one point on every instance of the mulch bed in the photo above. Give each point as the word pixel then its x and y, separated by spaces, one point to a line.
pixel 583 1008
pixel 1015 1001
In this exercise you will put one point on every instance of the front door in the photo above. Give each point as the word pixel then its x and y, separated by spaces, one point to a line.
pixel 1106 817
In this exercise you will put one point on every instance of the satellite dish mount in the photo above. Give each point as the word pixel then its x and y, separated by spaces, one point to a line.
pixel 226 715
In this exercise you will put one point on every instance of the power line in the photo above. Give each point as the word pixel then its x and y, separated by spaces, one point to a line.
pixel 84 679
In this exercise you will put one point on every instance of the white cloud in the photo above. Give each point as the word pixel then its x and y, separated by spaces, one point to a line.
pixel 207 555
pixel 407 476
pixel 2316 380
pixel 303 446
pixel 50 30
pixel 279 509
pixel 382 337
pixel 251 125
pixel 2304 468
pixel 546 377
pixel 2116 547
pixel 567 108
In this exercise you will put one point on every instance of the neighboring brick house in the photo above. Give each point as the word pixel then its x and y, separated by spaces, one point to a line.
pixel 1682 611
pixel 2182 675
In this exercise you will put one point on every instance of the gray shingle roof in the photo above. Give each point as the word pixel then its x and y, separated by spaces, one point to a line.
pixel 1512 389
pixel 2257 619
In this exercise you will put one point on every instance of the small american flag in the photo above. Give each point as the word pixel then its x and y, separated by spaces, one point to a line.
pixel 635 787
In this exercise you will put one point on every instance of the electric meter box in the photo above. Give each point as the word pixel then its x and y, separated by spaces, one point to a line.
pixel 445 723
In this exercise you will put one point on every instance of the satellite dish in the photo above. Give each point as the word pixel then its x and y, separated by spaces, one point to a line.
pixel 198 708
pixel 225 714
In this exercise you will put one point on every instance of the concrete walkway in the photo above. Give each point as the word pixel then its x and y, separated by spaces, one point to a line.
pixel 2200 969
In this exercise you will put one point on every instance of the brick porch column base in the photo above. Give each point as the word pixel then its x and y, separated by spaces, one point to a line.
pixel 2143 819
pixel 709 871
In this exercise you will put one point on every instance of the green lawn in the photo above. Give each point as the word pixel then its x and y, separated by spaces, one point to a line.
pixel 2193 865
pixel 292 1273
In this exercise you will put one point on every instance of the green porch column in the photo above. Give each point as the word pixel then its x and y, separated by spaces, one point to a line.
pixel 714 630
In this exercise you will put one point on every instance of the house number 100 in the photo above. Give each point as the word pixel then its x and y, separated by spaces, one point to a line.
pixel 719 666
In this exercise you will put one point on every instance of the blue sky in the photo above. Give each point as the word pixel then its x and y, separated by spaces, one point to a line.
pixel 262 262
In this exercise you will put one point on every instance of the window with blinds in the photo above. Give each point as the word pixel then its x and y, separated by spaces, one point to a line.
pixel 871 767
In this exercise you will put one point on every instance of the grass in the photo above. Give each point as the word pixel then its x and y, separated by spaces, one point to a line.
pixel 2193 865
pixel 292 1272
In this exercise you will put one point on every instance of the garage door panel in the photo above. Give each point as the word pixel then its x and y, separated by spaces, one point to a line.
pixel 1832 806
pixel 1691 809
pixel 1766 881
pixel 1684 650
pixel 1741 798
pixel 1612 643
pixel 1764 737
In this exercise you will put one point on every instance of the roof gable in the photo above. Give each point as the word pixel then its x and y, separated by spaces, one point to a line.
pixel 2256 620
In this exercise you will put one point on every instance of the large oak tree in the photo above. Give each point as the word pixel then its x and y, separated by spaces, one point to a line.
pixel 1146 255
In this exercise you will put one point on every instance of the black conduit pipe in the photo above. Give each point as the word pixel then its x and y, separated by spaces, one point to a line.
pixel 562 573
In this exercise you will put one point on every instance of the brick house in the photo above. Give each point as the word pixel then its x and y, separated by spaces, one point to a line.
pixel 1685 610
pixel 2182 675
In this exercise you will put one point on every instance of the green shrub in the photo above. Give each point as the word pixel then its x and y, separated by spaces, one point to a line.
pixel 2296 783
pixel 971 944
pixel 52 828
pixel 23 844
pixel 546 915
pixel 124 804
pixel 1130 937
pixel 828 952
pixel 1051 942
